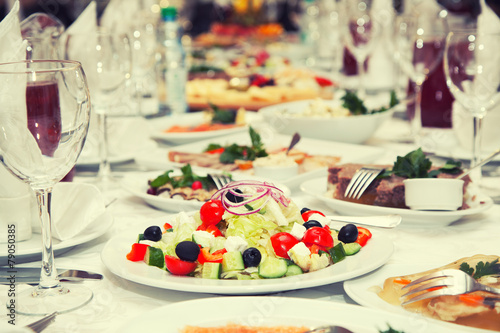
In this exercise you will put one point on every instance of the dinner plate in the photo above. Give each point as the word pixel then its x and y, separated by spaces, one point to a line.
pixel 317 188
pixel 158 159
pixel 159 126
pixel 137 184
pixel 31 249
pixel 273 311
pixel 363 291
pixel 377 251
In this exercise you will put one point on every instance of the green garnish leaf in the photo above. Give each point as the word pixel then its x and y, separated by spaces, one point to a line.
pixel 161 179
pixel 353 103
pixel 186 180
pixel 482 268
pixel 391 330
pixel 222 116
pixel 413 165
pixel 212 146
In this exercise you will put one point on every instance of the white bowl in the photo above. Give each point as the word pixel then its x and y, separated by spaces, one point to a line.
pixel 350 129
pixel 434 193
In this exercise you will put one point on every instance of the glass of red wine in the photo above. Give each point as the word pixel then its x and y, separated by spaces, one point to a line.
pixel 106 59
pixel 472 68
pixel 44 121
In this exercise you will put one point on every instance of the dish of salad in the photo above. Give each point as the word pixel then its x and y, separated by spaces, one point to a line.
pixel 248 239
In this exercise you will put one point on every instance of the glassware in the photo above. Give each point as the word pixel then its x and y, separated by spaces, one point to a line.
pixel 471 64
pixel 45 117
pixel 360 33
pixel 106 58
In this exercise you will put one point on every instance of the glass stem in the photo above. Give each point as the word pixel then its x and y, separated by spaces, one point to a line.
pixel 361 75
pixel 104 166
pixel 416 121
pixel 48 277
pixel 476 144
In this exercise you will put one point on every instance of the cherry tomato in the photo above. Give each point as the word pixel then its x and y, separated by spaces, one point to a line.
pixel 196 185
pixel 213 230
pixel 211 212
pixel 363 236
pixel 307 214
pixel 179 267
pixel 137 252
pixel 216 151
pixel 318 236
pixel 282 242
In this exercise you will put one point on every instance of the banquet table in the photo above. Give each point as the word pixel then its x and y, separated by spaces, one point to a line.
pixel 117 301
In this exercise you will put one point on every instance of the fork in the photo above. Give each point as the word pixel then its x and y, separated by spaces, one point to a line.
pixel 448 282
pixel 361 180
pixel 41 324
pixel 329 329
pixel 220 180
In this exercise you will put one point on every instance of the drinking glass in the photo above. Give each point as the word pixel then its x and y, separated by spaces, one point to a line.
pixel 106 59
pixel 472 68
pixel 421 47
pixel 360 33
pixel 44 121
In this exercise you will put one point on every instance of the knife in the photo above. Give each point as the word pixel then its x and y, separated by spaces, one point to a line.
pixel 31 275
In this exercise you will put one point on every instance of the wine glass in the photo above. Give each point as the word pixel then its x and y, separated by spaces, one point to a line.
pixel 471 65
pixel 106 59
pixel 44 121
pixel 421 40
pixel 360 32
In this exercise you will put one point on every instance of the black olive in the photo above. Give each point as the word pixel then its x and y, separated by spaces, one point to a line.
pixel 187 251
pixel 234 198
pixel 303 210
pixel 251 257
pixel 153 233
pixel 312 223
pixel 348 233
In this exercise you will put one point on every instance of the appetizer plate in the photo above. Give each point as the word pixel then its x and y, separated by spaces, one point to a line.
pixel 137 184
pixel 317 188
pixel 377 252
pixel 158 159
pixel 31 249
pixel 363 291
pixel 272 311
pixel 159 126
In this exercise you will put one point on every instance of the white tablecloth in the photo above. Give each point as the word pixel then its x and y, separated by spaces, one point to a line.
pixel 117 301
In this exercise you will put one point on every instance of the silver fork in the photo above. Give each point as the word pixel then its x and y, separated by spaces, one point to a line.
pixel 449 282
pixel 220 180
pixel 42 324
pixel 361 180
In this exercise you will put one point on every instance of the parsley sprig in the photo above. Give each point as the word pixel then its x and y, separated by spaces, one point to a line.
pixel 482 268
pixel 186 180
pixel 356 106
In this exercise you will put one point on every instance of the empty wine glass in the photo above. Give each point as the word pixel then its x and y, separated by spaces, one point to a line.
pixel 360 33
pixel 44 121
pixel 472 68
pixel 106 59
pixel 421 40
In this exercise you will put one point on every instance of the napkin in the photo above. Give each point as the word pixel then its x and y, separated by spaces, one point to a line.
pixel 75 207
pixel 119 14
pixel 86 21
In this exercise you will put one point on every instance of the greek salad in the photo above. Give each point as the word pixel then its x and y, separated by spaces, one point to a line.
pixel 248 230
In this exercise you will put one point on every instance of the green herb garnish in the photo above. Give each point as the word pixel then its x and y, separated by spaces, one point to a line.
pixel 482 269
pixel 391 330
pixel 221 116
pixel 236 152
pixel 356 106
pixel 186 180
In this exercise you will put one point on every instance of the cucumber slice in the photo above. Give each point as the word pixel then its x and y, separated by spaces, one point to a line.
pixel 293 270
pixel 211 270
pixel 337 253
pixel 154 257
pixel 232 261
pixel 202 238
pixel 218 244
pixel 140 238
pixel 351 248
pixel 273 268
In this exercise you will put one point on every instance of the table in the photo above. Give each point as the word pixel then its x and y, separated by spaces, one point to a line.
pixel 117 301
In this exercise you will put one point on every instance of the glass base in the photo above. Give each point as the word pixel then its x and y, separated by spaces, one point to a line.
pixel 42 301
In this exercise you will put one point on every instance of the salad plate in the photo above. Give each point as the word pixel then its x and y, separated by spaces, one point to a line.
pixel 31 249
pixel 137 184
pixel 317 188
pixel 158 159
pixel 273 311
pixel 376 252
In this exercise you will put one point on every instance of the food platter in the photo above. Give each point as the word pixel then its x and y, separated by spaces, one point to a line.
pixel 317 188
pixel 377 252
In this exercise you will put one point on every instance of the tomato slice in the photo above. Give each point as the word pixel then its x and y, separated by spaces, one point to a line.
pixel 307 214
pixel 363 236
pixel 211 212
pixel 137 252
pixel 282 242
pixel 206 256
pixel 177 266
pixel 318 236
pixel 213 230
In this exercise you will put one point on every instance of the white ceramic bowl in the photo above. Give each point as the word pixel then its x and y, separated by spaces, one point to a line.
pixel 434 193
pixel 350 129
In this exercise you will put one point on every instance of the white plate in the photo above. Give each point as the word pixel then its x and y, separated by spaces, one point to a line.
pixel 361 291
pixel 158 159
pixel 159 125
pixel 137 184
pixel 317 188
pixel 272 311
pixel 378 250
pixel 93 160
pixel 32 248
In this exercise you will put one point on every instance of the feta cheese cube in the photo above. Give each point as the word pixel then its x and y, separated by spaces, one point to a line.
pixel 320 218
pixel 298 231
pixel 301 256
pixel 235 243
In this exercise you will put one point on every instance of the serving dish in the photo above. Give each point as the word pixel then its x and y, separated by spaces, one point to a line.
pixel 317 188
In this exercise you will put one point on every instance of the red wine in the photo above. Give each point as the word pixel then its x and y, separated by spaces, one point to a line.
pixel 350 65
pixel 44 115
